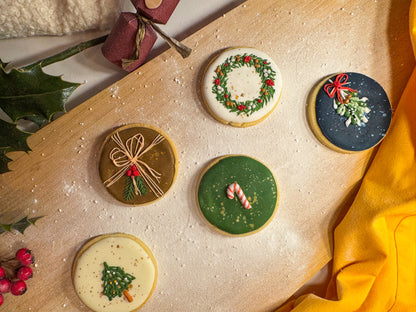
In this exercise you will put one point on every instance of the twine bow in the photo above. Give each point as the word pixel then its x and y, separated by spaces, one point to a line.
pixel 338 86
pixel 124 156
pixel 173 43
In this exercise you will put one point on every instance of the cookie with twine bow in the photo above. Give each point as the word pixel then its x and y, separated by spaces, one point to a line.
pixel 138 164
pixel 349 112
pixel 134 35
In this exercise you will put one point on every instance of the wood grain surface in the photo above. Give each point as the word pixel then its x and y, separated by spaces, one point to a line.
pixel 200 269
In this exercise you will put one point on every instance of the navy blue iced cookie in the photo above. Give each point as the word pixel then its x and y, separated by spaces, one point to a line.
pixel 350 112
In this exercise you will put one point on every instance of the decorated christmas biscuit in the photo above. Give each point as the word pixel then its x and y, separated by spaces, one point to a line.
pixel 241 87
pixel 349 112
pixel 114 273
pixel 237 194
pixel 138 164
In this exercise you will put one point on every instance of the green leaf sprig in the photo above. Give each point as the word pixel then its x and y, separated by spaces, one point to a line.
pixel 28 93
pixel 20 225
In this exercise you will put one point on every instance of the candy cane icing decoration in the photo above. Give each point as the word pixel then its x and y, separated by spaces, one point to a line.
pixel 235 188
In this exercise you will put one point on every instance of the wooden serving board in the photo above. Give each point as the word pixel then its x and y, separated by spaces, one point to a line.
pixel 200 269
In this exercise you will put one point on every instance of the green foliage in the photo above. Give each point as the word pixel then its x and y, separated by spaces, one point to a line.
pixel 115 281
pixel 28 94
pixel 129 192
pixel 355 110
pixel 20 225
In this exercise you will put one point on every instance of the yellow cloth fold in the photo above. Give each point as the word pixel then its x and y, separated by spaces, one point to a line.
pixel 374 266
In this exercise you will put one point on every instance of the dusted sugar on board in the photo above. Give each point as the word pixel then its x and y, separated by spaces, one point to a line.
pixel 241 86
pixel 138 164
pixel 114 273
pixel 237 195
pixel 349 112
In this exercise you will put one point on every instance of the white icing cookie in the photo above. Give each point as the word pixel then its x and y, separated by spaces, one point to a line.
pixel 98 266
pixel 241 86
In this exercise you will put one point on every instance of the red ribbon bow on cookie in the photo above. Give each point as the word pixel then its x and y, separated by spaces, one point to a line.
pixel 337 86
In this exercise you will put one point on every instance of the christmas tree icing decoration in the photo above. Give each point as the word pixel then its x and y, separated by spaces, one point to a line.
pixel 116 282
pixel 261 66
pixel 347 103
pixel 139 176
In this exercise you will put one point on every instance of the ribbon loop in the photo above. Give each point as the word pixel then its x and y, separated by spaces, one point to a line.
pixel 338 87
pixel 124 156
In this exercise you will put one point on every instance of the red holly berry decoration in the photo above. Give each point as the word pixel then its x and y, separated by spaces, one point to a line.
pixel 24 273
pixel 25 256
pixel 5 285
pixel 18 288
pixel 2 273
pixel 269 82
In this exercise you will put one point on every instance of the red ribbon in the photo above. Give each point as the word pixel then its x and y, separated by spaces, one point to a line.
pixel 337 86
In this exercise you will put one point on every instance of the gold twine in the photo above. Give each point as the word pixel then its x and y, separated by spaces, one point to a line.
pixel 142 21
pixel 126 155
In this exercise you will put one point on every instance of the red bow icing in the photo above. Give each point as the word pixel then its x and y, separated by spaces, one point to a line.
pixel 337 86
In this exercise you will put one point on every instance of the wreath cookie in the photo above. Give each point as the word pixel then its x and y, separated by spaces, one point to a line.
pixel 138 164
pixel 114 272
pixel 237 194
pixel 349 112
pixel 241 87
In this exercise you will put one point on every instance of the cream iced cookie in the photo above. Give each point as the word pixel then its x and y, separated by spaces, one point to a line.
pixel 114 273
pixel 349 112
pixel 138 164
pixel 237 194
pixel 241 87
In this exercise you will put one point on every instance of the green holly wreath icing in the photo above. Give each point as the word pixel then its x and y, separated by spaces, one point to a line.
pixel 267 90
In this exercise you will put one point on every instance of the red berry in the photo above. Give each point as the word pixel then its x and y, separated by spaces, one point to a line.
pixel 5 286
pixel 24 273
pixel 18 288
pixel 1 299
pixel 2 273
pixel 25 256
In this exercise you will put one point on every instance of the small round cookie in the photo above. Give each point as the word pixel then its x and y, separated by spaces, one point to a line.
pixel 237 194
pixel 138 164
pixel 114 273
pixel 241 86
pixel 349 112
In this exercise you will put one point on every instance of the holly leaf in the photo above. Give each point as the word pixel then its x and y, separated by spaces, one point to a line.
pixel 32 92
pixel 20 225
pixel 28 94
pixel 11 139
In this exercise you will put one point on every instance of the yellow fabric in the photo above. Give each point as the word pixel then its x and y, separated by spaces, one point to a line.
pixel 374 266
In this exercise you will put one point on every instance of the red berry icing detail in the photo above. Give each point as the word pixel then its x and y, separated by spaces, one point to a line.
pixel 133 171
pixel 5 285
pixel 2 273
pixel 269 82
pixel 24 273
pixel 1 299
pixel 18 288
pixel 25 256
pixel 241 107
pixel 217 82
pixel 247 59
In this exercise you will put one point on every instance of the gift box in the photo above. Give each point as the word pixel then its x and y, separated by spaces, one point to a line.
pixel 134 35
pixel 157 11
pixel 121 42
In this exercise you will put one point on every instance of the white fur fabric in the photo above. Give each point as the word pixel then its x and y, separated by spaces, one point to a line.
pixel 22 18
